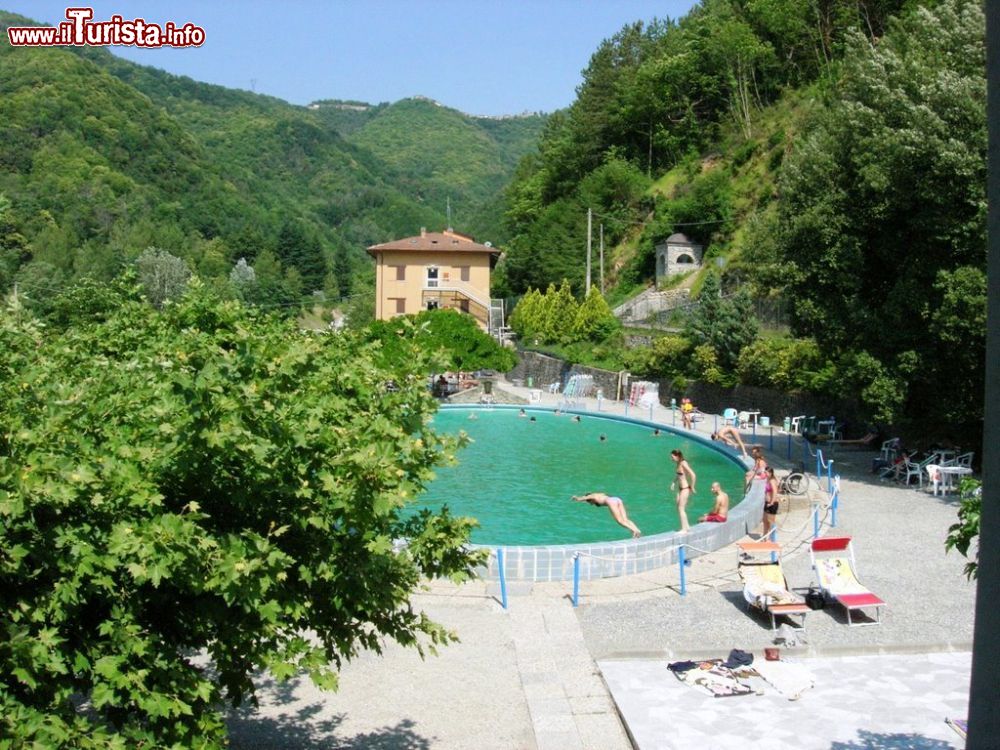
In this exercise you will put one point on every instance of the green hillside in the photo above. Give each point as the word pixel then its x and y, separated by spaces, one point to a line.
pixel 440 153
pixel 345 117
pixel 101 158
pixel 836 169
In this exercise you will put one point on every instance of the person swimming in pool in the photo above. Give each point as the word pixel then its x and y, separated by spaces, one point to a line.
pixel 615 505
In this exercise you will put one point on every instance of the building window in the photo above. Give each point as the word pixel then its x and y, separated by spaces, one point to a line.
pixel 400 273
pixel 464 270
pixel 463 305
pixel 400 305
pixel 432 304
pixel 432 277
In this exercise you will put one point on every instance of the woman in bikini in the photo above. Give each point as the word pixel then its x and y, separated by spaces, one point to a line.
pixel 770 502
pixel 684 480
pixel 615 505
pixel 759 468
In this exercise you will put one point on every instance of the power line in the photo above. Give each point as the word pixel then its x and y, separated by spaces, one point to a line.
pixel 673 223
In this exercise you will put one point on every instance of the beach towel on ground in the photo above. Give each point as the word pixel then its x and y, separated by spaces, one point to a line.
pixel 790 680
pixel 716 680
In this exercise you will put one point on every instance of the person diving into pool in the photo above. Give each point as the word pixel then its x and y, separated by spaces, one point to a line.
pixel 615 505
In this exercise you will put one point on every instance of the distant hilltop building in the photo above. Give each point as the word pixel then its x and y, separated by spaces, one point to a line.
pixel 434 270
pixel 676 255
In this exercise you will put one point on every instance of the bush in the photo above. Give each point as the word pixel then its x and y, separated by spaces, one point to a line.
pixel 706 364
pixel 963 534
pixel 784 364
pixel 665 357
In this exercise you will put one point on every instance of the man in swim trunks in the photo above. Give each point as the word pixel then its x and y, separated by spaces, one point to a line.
pixel 615 505
pixel 731 437
pixel 721 509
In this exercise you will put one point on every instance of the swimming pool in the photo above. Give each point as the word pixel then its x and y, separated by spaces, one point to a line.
pixel 518 474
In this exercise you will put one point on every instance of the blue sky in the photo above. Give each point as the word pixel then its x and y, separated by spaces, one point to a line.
pixel 480 56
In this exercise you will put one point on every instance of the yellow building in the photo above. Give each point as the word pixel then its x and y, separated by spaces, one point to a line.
pixel 434 270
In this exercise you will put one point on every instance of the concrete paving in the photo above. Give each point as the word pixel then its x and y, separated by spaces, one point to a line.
pixel 534 676
pixel 858 702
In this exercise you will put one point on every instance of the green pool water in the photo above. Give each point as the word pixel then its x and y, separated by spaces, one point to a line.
pixel 517 476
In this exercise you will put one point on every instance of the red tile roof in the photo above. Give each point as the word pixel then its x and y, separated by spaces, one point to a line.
pixel 436 242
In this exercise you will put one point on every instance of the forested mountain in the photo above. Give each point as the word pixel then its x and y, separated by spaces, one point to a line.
pixel 101 158
pixel 437 153
pixel 831 154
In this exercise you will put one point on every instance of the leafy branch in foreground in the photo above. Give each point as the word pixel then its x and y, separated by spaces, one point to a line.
pixel 192 494
pixel 961 535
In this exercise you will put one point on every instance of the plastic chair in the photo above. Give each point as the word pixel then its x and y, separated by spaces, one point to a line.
pixel 915 469
pixel 730 416
pixel 889 449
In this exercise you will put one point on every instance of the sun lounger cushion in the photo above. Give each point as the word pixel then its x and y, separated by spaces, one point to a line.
pixel 837 577
pixel 765 586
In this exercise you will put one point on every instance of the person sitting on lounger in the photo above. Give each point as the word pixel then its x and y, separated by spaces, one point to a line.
pixel 721 508
pixel 731 437
pixel 615 505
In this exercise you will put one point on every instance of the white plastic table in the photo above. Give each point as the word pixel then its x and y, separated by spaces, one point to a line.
pixel 948 474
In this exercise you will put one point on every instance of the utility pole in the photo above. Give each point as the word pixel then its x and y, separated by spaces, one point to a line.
pixel 449 213
pixel 602 258
pixel 590 237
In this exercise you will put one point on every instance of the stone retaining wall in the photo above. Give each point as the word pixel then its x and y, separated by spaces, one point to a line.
pixel 545 370
pixel 475 396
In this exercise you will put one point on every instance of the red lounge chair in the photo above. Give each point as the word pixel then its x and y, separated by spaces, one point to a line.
pixel 833 561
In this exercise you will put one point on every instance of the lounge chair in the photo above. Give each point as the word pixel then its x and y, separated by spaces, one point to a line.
pixel 833 563
pixel 764 584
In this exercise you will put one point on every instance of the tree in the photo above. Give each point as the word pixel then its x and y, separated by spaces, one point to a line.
pixel 300 249
pixel 524 319
pixel 204 478
pixel 594 319
pixel 885 194
pixel 163 276
pixel 559 308
pixel 242 276
pixel 726 324
pixel 459 340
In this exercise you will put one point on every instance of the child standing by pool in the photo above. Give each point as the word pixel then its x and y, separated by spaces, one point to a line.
pixel 614 504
